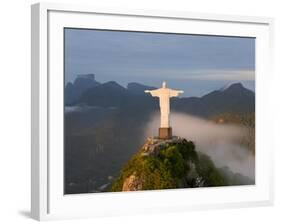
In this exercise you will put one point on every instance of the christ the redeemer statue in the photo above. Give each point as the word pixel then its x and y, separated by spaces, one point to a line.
pixel 164 94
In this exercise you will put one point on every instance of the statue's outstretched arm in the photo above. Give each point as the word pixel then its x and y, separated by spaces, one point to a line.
pixel 153 92
pixel 174 93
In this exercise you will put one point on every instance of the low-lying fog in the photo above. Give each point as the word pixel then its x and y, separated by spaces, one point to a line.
pixel 219 141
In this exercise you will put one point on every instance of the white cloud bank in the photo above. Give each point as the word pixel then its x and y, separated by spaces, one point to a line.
pixel 220 142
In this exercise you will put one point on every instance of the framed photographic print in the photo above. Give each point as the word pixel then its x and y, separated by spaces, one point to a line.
pixel 148 111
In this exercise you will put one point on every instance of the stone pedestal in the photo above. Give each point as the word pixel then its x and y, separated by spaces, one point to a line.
pixel 165 133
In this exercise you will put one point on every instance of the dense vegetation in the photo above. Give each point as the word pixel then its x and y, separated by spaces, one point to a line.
pixel 177 166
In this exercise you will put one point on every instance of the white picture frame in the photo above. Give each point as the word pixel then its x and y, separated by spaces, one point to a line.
pixel 47 198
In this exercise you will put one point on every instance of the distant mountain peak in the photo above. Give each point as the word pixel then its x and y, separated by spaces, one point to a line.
pixel 112 84
pixel 137 88
pixel 237 85
pixel 69 85
pixel 81 83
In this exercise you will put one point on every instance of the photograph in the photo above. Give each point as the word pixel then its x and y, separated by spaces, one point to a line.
pixel 157 111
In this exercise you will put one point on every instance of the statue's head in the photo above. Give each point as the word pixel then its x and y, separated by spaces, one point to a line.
pixel 164 85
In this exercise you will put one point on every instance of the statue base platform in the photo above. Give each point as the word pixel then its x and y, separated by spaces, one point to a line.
pixel 165 133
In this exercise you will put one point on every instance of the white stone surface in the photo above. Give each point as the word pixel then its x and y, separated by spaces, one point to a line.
pixel 164 95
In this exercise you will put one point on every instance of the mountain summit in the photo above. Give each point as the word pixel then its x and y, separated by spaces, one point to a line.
pixel 82 83
pixel 162 164
pixel 235 87
pixel 235 98
pixel 170 164
pixel 109 94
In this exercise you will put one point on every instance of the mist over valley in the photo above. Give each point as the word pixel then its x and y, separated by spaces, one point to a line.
pixel 106 124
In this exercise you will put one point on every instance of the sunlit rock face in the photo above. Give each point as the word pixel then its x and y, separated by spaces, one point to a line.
pixel 132 183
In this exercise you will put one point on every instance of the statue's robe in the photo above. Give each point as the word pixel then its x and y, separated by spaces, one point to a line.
pixel 164 95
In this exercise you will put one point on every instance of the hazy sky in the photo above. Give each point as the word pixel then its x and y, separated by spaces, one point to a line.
pixel 195 64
